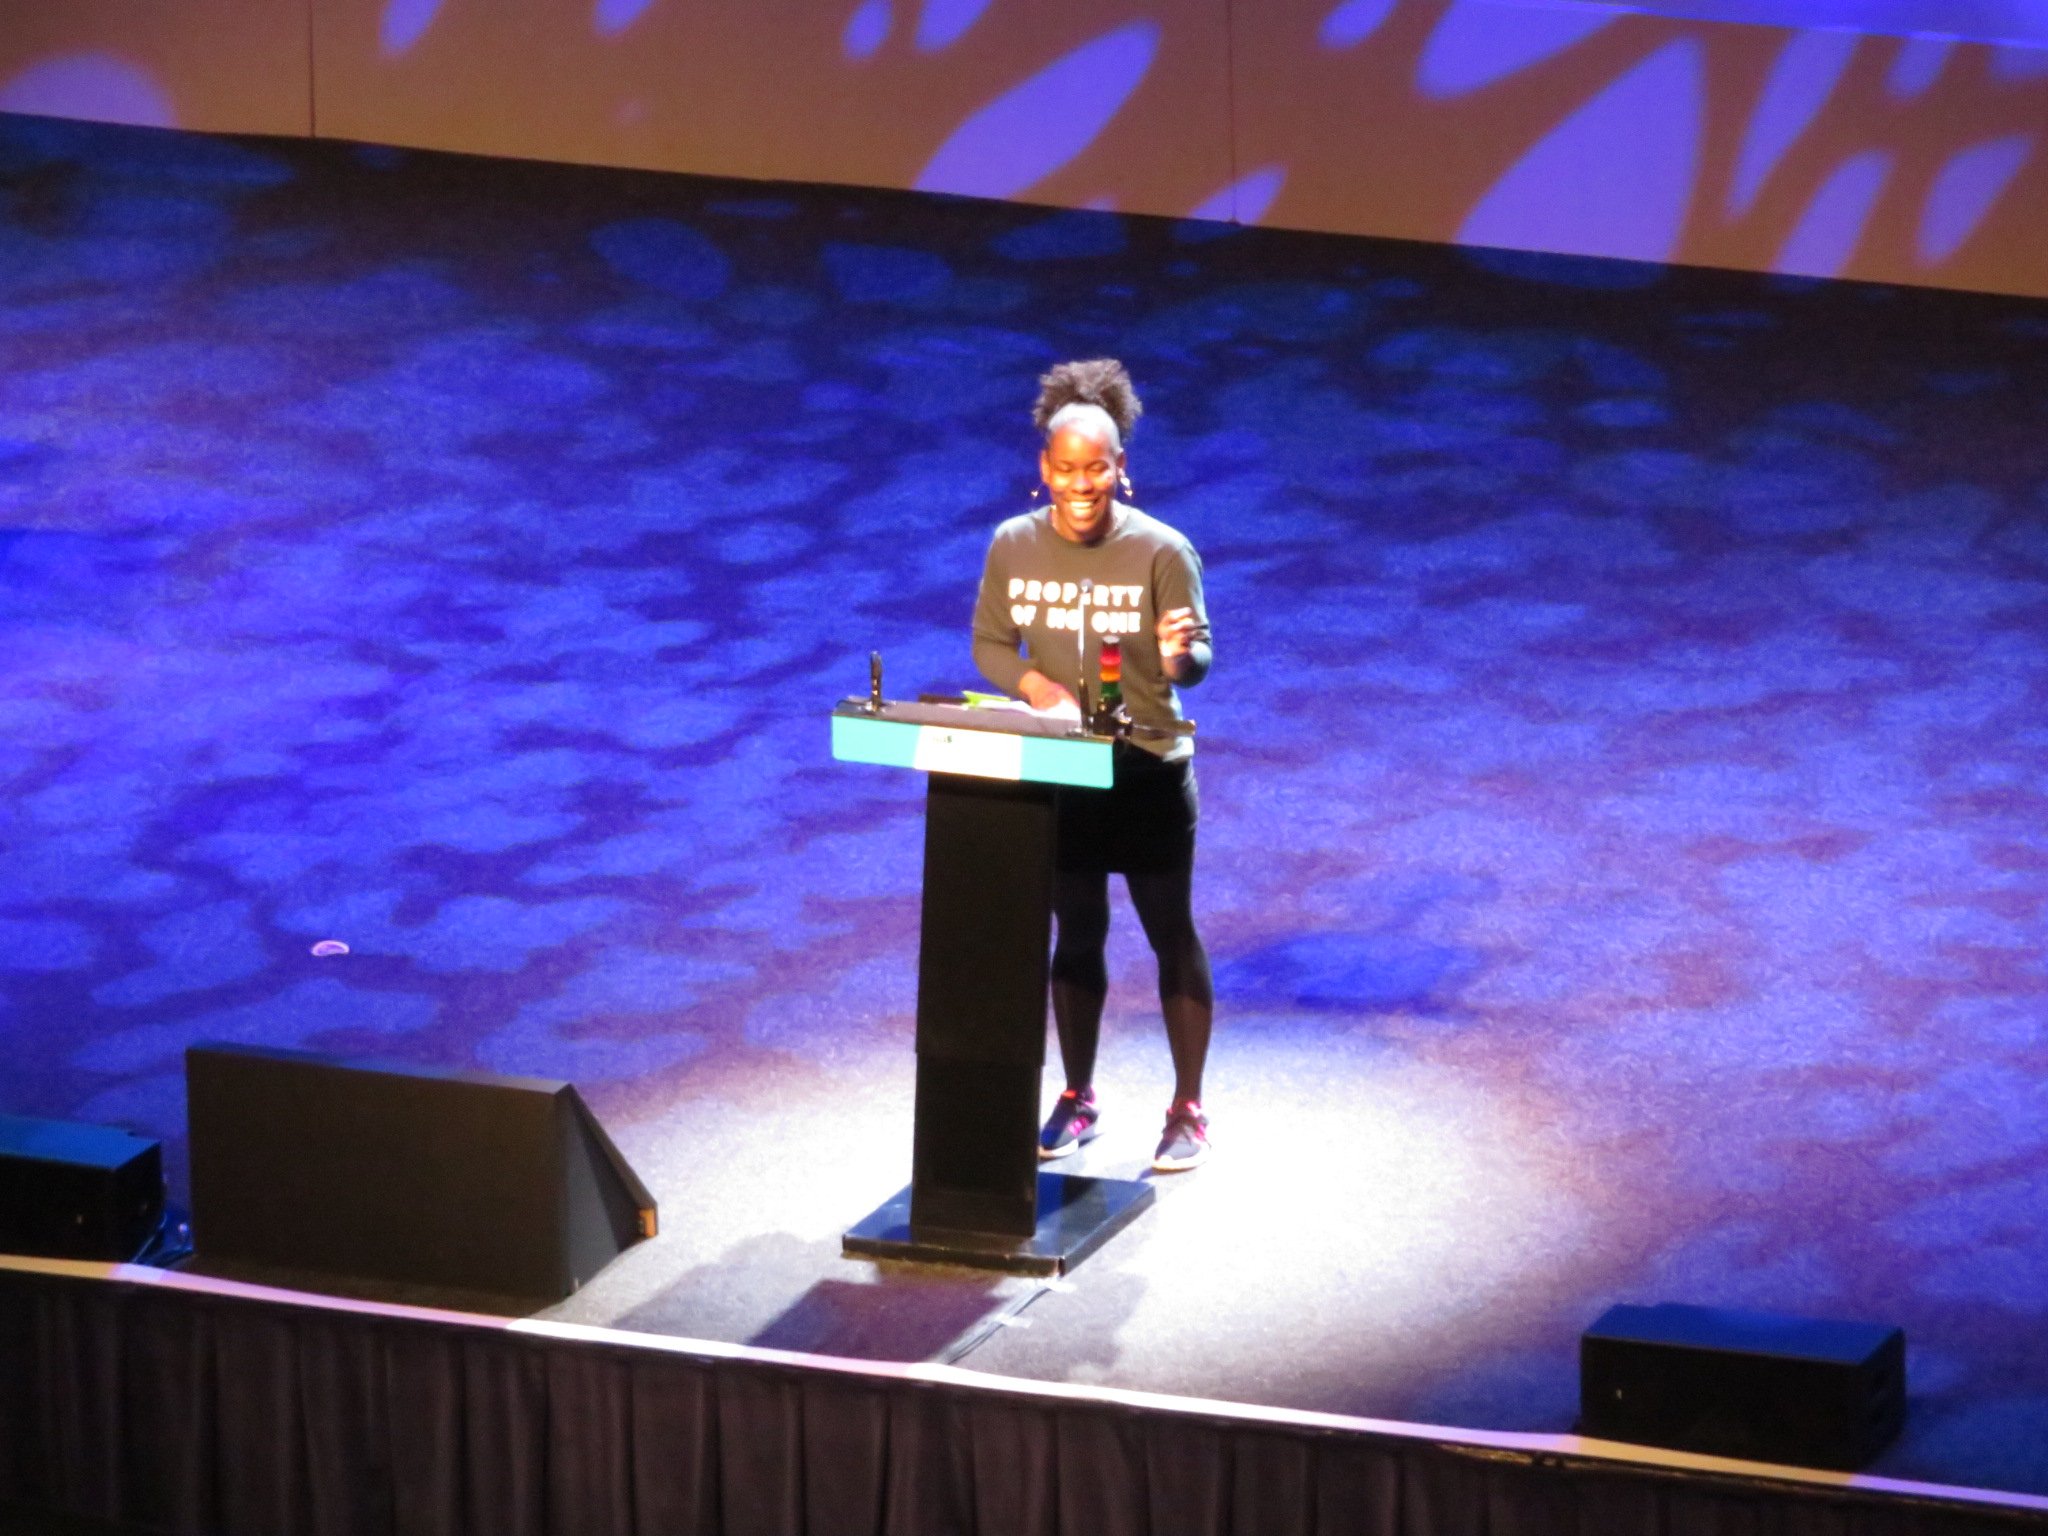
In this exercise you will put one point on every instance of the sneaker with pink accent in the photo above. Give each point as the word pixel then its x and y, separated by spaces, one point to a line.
pixel 1185 1141
pixel 1071 1125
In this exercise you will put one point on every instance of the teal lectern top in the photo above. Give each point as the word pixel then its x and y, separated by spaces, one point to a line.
pixel 995 778
pixel 982 743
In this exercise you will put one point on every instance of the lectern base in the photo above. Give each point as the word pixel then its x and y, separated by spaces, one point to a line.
pixel 1076 1215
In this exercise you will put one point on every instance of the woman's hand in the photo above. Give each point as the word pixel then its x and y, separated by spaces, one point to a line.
pixel 1176 632
pixel 1041 692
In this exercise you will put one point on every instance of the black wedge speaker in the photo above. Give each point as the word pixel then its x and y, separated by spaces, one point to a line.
pixel 1802 1391
pixel 359 1171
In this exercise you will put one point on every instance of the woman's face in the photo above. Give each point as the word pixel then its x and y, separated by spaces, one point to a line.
pixel 1080 472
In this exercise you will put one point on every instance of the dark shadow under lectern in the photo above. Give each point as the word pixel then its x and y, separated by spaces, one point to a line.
pixel 976 1194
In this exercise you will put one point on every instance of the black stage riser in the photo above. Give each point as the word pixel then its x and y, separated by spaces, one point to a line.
pixel 163 1407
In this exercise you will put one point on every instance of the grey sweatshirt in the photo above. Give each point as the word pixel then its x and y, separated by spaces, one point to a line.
pixel 1030 598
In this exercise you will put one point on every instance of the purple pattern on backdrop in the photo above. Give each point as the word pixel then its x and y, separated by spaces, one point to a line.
pixel 1245 200
pixel 611 17
pixel 2016 63
pixel 1032 130
pixel 1617 174
pixel 1965 190
pixel 1984 20
pixel 1608 197
pixel 942 23
pixel 100 86
pixel 1918 65
pixel 1826 235
pixel 1805 74
pixel 1351 22
pixel 404 23
pixel 867 29
pixel 1478 42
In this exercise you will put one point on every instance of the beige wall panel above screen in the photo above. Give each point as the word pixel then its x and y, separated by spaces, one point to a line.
pixel 1567 126
pixel 221 66
pixel 1073 102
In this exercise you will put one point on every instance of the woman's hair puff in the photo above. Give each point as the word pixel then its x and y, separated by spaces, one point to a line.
pixel 1099 381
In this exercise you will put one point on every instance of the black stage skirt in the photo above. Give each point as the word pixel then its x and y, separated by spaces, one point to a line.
pixel 1144 825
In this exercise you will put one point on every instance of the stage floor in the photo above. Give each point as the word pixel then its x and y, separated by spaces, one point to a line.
pixel 1623 774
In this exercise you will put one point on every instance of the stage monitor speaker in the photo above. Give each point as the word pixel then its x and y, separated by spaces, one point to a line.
pixel 1803 1392
pixel 77 1191
pixel 375 1171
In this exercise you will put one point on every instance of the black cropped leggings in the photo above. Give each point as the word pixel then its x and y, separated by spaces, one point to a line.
pixel 1080 980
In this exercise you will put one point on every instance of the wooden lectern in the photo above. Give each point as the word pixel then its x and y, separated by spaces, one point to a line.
pixel 976 1195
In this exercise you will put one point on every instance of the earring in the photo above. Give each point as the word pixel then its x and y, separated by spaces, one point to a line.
pixel 1038 490
pixel 1124 479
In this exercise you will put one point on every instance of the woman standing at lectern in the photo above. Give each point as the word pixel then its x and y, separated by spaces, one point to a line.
pixel 1091 562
